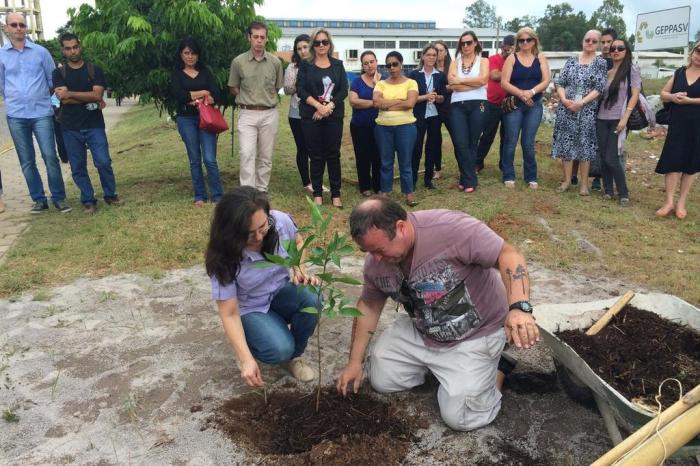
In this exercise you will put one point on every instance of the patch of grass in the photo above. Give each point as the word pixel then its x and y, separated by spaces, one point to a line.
pixel 42 295
pixel 9 415
pixel 654 86
pixel 159 229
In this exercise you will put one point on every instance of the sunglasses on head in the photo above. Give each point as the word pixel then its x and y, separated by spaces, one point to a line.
pixel 525 39
pixel 17 25
pixel 393 64
pixel 324 42
pixel 466 42
pixel 618 48
pixel 591 41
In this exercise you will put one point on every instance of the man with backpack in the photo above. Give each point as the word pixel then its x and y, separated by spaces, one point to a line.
pixel 80 87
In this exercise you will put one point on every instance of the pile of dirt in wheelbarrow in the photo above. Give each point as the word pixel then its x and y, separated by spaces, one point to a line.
pixel 637 350
pixel 287 430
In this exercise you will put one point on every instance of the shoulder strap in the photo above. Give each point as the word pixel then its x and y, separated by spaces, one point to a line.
pixel 91 71
pixel 62 70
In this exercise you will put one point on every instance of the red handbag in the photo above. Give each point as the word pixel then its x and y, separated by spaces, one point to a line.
pixel 210 118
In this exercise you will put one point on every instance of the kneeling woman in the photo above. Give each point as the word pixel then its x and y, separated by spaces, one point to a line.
pixel 261 309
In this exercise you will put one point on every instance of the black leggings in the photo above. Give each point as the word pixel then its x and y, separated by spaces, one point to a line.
pixel 610 162
pixel 302 150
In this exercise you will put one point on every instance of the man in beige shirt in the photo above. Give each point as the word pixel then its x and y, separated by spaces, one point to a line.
pixel 255 79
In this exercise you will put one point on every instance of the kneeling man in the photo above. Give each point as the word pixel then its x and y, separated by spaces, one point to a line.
pixel 466 293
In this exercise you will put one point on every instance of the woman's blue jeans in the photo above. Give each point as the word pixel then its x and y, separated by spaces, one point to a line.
pixel 526 120
pixel 281 333
pixel 466 120
pixel 200 145
pixel 399 139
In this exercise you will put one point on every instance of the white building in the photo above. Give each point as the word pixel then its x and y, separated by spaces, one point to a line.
pixel 352 37
pixel 649 62
pixel 32 12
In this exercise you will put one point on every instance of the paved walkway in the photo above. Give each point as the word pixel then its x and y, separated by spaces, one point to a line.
pixel 16 218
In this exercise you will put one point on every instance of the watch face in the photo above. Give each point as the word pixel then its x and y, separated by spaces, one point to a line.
pixel 525 306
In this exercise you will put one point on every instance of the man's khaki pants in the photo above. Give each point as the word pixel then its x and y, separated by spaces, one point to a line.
pixel 257 130
pixel 468 397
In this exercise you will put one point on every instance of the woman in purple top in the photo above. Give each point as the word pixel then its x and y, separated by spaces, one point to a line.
pixel 260 308
pixel 362 125
pixel 619 98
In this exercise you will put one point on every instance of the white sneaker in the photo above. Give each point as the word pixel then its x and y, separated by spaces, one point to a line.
pixel 510 184
pixel 533 185
pixel 299 370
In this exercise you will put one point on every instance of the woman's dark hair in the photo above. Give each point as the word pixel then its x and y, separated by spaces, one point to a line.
pixel 448 58
pixel 296 58
pixel 622 74
pixel 394 54
pixel 193 45
pixel 229 232
pixel 477 47
pixel 362 57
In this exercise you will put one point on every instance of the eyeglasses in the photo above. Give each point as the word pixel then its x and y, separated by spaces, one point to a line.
pixel 324 42
pixel 466 43
pixel 253 235
pixel 591 41
pixel 525 39
pixel 17 25
pixel 393 64
pixel 619 48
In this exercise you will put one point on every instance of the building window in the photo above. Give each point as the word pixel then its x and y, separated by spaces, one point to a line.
pixel 486 44
pixel 351 54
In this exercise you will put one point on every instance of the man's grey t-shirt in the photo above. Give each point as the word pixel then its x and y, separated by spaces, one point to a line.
pixel 454 291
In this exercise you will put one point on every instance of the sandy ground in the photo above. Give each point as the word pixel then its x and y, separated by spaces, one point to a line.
pixel 106 372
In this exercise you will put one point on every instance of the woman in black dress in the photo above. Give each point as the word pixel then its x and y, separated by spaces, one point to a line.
pixel 680 157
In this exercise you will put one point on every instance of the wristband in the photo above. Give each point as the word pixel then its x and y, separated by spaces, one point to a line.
pixel 629 109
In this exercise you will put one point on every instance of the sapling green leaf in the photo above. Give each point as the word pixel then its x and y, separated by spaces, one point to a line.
pixel 310 310
pixel 347 280
pixel 350 312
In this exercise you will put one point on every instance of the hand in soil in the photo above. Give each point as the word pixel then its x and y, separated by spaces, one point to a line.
pixel 250 373
pixel 521 329
pixel 352 373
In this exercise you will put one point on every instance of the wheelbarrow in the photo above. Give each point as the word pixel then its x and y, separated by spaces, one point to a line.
pixel 582 383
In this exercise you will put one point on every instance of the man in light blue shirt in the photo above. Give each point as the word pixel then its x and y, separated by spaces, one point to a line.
pixel 25 83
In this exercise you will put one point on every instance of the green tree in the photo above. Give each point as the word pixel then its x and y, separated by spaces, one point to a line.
pixel 609 15
pixel 516 23
pixel 562 29
pixel 135 41
pixel 480 14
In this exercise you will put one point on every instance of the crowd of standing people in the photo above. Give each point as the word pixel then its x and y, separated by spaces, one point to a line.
pixel 395 116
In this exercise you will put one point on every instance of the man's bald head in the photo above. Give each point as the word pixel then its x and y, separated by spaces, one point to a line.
pixel 18 32
pixel 376 212
pixel 14 16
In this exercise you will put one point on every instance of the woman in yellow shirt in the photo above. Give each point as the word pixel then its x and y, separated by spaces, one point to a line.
pixel 395 132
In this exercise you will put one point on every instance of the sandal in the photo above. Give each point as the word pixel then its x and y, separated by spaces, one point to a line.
pixel 584 193
pixel 199 203
pixel 411 200
pixel 318 200
pixel 337 203
pixel 469 190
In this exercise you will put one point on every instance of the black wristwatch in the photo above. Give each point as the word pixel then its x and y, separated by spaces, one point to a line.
pixel 524 306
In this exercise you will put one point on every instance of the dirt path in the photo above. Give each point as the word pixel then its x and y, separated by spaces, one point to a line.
pixel 106 371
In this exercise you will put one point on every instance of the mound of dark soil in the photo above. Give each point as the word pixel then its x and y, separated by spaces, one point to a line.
pixel 357 429
pixel 637 350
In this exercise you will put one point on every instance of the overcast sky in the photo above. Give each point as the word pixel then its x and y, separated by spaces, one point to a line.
pixel 447 13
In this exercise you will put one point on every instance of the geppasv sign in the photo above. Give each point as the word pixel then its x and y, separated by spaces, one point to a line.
pixel 663 29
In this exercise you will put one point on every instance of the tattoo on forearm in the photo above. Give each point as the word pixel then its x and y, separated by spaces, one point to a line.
pixel 510 280
pixel 520 275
